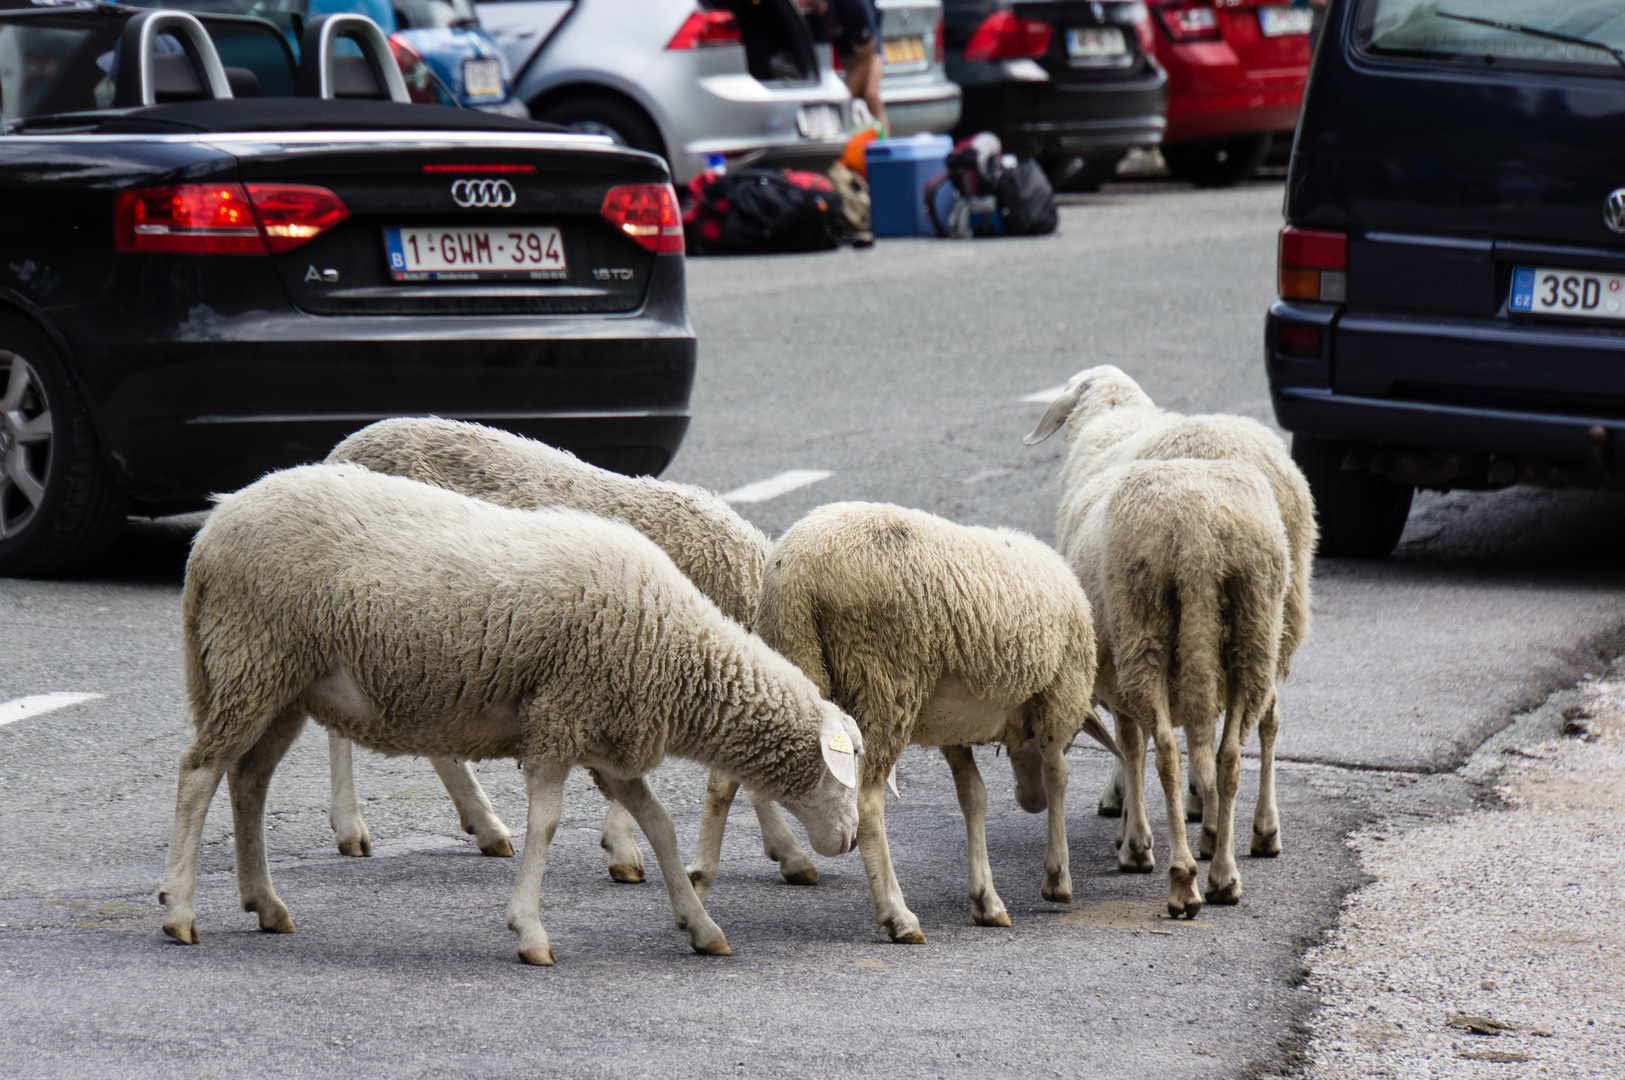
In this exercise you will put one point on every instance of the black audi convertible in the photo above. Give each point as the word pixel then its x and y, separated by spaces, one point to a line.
pixel 220 254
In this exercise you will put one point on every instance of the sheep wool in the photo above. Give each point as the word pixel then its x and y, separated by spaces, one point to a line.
pixel 414 620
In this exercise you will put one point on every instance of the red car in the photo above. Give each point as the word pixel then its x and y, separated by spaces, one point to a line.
pixel 1236 70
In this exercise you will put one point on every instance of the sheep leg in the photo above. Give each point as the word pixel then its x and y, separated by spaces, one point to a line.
pixel 1057 869
pixel 1135 854
pixel 193 793
pixel 474 810
pixel 544 787
pixel 719 797
pixel 779 843
pixel 1266 820
pixel 986 907
pixel 890 911
pixel 1111 799
pixel 249 781
pixel 687 911
pixel 349 831
pixel 1183 896
pixel 1224 880
pixel 625 857
pixel 1199 750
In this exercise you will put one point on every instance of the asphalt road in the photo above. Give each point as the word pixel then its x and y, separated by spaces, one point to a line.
pixel 899 371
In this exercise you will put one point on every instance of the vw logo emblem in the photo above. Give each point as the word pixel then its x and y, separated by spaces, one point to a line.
pixel 1613 210
pixel 470 193
pixel 907 15
pixel 1098 11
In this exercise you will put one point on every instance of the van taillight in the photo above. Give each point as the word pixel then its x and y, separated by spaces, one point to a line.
pixel 706 29
pixel 1004 35
pixel 1187 21
pixel 1313 265
pixel 648 214
pixel 941 52
pixel 223 218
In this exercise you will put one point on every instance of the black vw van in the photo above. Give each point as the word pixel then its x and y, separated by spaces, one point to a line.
pixel 1452 270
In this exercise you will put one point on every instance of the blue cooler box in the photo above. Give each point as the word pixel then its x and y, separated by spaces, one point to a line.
pixel 898 171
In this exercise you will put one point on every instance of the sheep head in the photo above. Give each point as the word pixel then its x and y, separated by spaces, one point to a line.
pixel 830 810
pixel 1088 394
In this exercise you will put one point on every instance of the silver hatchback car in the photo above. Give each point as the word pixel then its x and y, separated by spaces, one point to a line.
pixel 736 78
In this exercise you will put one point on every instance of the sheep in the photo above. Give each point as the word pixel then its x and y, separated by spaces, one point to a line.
pixel 1110 421
pixel 719 551
pixel 938 634
pixel 414 620
pixel 1185 566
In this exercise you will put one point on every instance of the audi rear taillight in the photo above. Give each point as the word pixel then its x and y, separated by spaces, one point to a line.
pixel 941 46
pixel 1313 265
pixel 414 70
pixel 291 214
pixel 648 214
pixel 223 218
pixel 193 219
pixel 705 30
pixel 1004 35
pixel 1186 21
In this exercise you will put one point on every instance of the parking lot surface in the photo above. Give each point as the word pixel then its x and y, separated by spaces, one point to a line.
pixel 896 374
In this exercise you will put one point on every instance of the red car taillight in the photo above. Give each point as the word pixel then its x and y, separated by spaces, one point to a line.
pixel 1313 265
pixel 414 70
pixel 1187 21
pixel 706 29
pixel 291 214
pixel 1004 36
pixel 223 218
pixel 194 219
pixel 648 214
pixel 941 50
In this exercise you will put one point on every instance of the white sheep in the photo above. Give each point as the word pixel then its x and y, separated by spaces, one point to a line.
pixel 414 620
pixel 1110 421
pixel 938 634
pixel 1185 566
pixel 719 551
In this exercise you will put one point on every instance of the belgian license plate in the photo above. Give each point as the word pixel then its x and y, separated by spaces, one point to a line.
pixel 458 253
pixel 1094 43
pixel 1280 21
pixel 482 78
pixel 1584 294
pixel 904 50
pixel 819 122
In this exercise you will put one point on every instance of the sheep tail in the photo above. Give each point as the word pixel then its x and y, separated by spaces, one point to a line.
pixel 1197 668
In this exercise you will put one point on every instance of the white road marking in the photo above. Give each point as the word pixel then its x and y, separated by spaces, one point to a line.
pixel 774 486
pixel 985 474
pixel 1043 397
pixel 33 705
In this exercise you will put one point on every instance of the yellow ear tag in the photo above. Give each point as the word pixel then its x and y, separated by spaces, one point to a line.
pixel 840 743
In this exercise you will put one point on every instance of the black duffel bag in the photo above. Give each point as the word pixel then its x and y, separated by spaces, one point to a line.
pixel 760 212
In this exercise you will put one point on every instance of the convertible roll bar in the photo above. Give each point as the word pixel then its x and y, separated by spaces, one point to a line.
pixel 315 75
pixel 134 85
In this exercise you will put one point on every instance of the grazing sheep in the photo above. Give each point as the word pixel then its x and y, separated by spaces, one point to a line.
pixel 1185 566
pixel 1110 421
pixel 719 551
pixel 942 635
pixel 414 620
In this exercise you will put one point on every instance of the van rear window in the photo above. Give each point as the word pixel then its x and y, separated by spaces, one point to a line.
pixel 1569 35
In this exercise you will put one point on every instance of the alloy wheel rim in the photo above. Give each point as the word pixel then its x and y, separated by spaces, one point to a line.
pixel 26 437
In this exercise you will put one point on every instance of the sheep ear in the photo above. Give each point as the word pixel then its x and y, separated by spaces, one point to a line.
pixel 840 753
pixel 1057 413
pixel 1096 730
pixel 891 781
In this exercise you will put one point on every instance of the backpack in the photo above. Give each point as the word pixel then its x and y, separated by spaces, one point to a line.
pixel 986 192
pixel 854 225
pixel 759 211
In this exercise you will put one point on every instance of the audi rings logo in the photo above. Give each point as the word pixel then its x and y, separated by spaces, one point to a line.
pixel 471 193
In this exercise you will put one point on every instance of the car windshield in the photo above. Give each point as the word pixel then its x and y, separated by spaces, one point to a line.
pixel 1538 34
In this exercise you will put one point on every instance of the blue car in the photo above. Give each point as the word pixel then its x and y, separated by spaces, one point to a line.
pixel 445 55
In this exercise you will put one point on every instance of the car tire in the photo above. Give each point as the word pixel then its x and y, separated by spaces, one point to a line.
pixel 599 114
pixel 1080 174
pixel 1361 516
pixel 1213 163
pixel 60 507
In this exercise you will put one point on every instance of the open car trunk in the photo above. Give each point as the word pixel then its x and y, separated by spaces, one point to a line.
pixel 778 48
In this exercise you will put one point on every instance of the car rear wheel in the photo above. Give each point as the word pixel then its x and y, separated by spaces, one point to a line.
pixel 1361 516
pixel 1073 173
pixel 598 114
pixel 60 508
pixel 1216 162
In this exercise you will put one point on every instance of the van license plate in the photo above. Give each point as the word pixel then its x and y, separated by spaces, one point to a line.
pixel 458 253
pixel 1280 21
pixel 1093 44
pixel 1583 294
pixel 904 50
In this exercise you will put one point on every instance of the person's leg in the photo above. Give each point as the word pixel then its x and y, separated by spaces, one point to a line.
pixel 863 70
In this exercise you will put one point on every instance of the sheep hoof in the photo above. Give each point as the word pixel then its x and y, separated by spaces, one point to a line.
pixel 1189 909
pixel 1266 846
pixel 183 932
pixel 1057 895
pixel 501 848
pixel 1206 843
pixel 717 946
pixel 809 876
pixel 905 933
pixel 1228 894
pixel 1104 810
pixel 630 874
pixel 275 920
pixel 998 918
pixel 542 957
pixel 359 849
pixel 1193 812
pixel 1132 858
